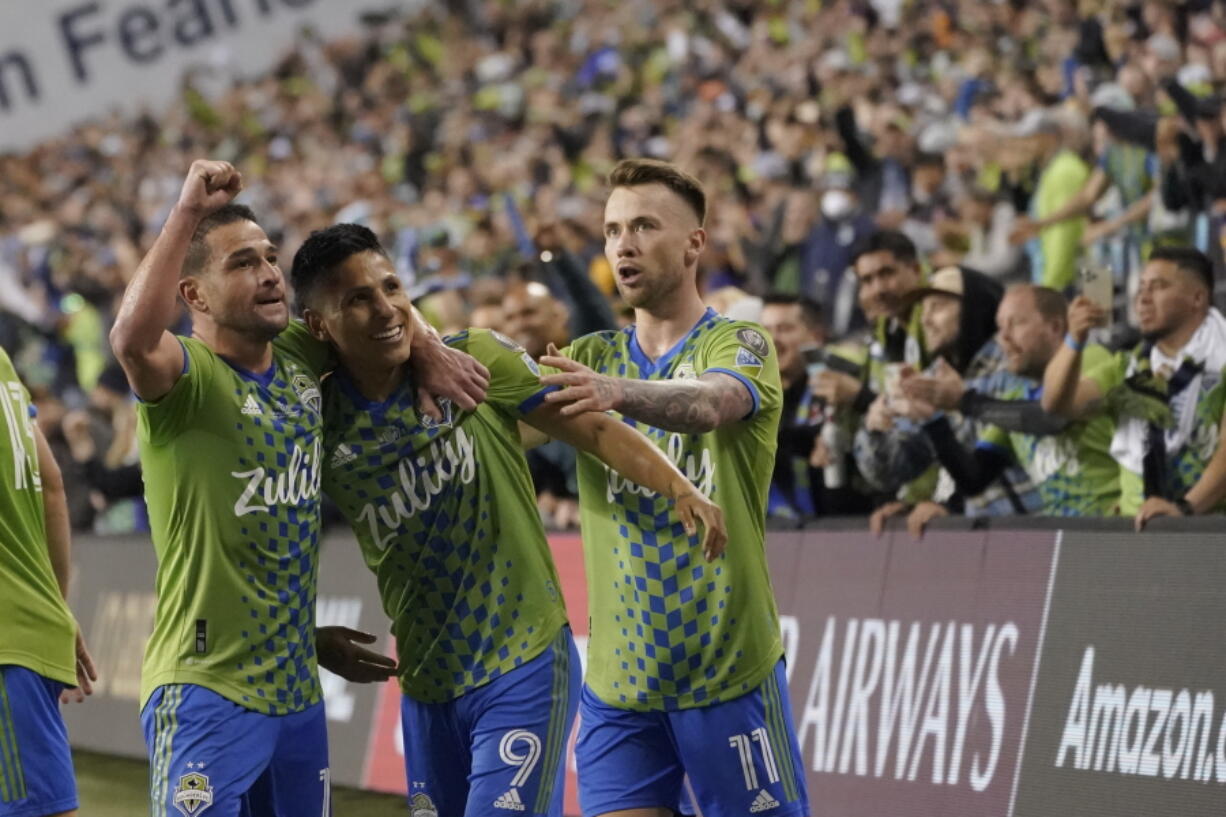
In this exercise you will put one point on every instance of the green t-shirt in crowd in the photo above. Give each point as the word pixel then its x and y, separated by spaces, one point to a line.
pixel 668 629
pixel 231 463
pixel 445 514
pixel 1059 246
pixel 1073 470
pixel 36 629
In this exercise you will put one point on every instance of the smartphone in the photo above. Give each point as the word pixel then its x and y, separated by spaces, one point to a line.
pixel 1098 284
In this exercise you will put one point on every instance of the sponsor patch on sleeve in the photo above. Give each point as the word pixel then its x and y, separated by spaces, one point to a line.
pixel 755 341
pixel 744 357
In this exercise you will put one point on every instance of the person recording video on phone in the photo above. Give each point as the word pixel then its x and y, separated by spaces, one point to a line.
pixel 1068 464
pixel 1166 395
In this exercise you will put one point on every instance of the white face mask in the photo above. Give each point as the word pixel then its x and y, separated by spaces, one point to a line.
pixel 837 204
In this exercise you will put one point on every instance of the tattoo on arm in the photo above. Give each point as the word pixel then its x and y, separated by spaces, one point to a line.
pixel 687 406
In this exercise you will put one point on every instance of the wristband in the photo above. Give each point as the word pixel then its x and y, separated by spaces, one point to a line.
pixel 1184 506
pixel 1071 343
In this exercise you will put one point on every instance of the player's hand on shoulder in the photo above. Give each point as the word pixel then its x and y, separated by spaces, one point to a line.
pixel 581 389
pixel 444 373
pixel 340 651
pixel 210 185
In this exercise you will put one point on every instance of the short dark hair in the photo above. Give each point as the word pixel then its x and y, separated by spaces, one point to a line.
pixel 892 241
pixel 636 172
pixel 198 249
pixel 1187 258
pixel 1050 304
pixel 810 310
pixel 324 251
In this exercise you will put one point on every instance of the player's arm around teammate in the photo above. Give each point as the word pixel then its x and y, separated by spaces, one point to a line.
pixel 634 457
pixel 153 358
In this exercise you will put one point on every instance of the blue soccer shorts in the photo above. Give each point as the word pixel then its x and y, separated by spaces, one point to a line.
pixel 210 755
pixel 36 776
pixel 499 749
pixel 741 756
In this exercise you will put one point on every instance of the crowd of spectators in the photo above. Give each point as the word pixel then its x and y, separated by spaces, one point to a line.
pixel 906 194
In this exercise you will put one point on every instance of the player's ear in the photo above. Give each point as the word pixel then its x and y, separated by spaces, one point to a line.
pixel 695 245
pixel 315 323
pixel 191 291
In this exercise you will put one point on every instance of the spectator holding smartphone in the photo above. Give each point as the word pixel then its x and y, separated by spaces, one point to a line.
pixel 1166 395
pixel 1069 463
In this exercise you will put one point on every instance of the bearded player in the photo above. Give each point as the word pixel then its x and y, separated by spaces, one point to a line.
pixel 685 674
pixel 230 437
pixel 445 514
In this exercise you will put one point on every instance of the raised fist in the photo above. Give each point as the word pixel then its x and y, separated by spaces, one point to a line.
pixel 209 186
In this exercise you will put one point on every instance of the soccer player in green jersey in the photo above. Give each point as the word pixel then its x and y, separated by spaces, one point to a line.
pixel 231 439
pixel 39 664
pixel 685 673
pixel 446 518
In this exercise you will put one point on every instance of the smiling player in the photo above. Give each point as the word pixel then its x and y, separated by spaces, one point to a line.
pixel 446 517
pixel 230 434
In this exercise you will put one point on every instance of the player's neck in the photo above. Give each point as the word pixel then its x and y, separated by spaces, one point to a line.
pixel 376 384
pixel 242 350
pixel 659 327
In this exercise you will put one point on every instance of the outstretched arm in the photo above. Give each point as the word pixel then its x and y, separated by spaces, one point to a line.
pixel 972 471
pixel 634 457
pixel 150 355
pixel 1080 203
pixel 687 406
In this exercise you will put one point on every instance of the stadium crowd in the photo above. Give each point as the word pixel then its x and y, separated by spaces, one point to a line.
pixel 986 237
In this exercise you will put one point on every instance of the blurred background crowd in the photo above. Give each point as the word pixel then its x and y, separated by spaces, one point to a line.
pixel 906 193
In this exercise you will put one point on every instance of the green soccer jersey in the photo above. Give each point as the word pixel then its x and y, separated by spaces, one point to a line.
pixel 37 632
pixel 1073 470
pixel 446 517
pixel 231 463
pixel 668 629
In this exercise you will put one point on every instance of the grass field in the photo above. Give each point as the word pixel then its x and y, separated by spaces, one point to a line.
pixel 116 787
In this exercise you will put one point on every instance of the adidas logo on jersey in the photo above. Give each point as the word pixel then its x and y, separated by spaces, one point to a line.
pixel 250 407
pixel 511 801
pixel 763 802
pixel 343 455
